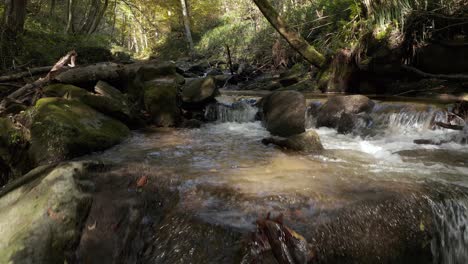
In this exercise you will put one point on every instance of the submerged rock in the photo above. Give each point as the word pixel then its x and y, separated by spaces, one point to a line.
pixel 62 129
pixel 41 217
pixel 307 142
pixel 284 113
pixel 330 113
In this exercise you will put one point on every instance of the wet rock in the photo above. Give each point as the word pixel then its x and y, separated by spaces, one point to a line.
pixel 192 123
pixel 349 123
pixel 274 242
pixel 199 68
pixel 307 142
pixel 284 113
pixel 41 219
pixel 62 129
pixel 198 93
pixel 330 113
pixel 161 103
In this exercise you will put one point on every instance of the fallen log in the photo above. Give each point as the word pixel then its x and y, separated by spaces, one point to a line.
pixel 27 92
pixel 93 73
pixel 29 73
pixel 449 126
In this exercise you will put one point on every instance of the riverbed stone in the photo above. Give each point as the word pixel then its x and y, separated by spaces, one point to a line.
pixel 284 113
pixel 198 93
pixel 41 219
pixel 62 129
pixel 308 141
pixel 330 113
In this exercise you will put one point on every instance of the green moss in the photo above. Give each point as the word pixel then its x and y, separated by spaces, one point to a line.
pixel 60 90
pixel 161 102
pixel 67 128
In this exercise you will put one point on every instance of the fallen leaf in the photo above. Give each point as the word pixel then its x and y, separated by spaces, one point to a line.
pixel 142 181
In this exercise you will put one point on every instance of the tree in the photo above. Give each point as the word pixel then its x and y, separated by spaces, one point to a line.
pixel 188 32
pixel 293 38
pixel 14 16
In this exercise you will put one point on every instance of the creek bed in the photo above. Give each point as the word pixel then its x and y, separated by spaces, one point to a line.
pixel 369 198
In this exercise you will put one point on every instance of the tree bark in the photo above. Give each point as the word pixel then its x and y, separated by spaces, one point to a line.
pixel 14 15
pixel 293 38
pixel 188 32
pixel 98 17
pixel 70 12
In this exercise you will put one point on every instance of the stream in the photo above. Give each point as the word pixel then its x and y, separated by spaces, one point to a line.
pixel 373 196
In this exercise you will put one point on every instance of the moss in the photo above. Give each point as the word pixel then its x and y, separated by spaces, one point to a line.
pixel 60 90
pixel 64 129
pixel 161 102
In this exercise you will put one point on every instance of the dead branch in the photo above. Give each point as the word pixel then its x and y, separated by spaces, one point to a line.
pixel 449 126
pixel 27 92
pixel 29 73
pixel 453 77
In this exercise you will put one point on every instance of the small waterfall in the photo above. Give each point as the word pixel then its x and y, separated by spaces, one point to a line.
pixel 407 117
pixel 450 244
pixel 241 111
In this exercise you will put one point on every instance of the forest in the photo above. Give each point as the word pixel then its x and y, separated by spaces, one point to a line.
pixel 243 131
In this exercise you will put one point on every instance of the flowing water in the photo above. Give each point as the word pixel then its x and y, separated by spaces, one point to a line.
pixel 373 196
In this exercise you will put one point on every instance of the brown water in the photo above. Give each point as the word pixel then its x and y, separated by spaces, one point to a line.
pixel 373 196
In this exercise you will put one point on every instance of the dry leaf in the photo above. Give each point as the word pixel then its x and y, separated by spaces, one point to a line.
pixel 142 181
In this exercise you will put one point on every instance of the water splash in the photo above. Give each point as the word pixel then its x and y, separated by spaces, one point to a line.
pixel 450 244
pixel 241 111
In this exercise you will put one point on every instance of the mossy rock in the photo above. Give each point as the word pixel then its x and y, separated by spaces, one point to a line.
pixel 61 90
pixel 165 72
pixel 108 106
pixel 42 218
pixel 63 129
pixel 13 155
pixel 161 103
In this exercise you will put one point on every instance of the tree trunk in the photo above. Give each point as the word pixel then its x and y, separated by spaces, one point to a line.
pixel 293 38
pixel 14 16
pixel 70 11
pixel 188 32
pixel 52 7
pixel 98 17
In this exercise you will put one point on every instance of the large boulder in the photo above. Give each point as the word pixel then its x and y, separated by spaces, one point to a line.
pixel 198 93
pixel 284 113
pixel 306 142
pixel 160 101
pixel 165 72
pixel 42 214
pixel 62 129
pixel 330 113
